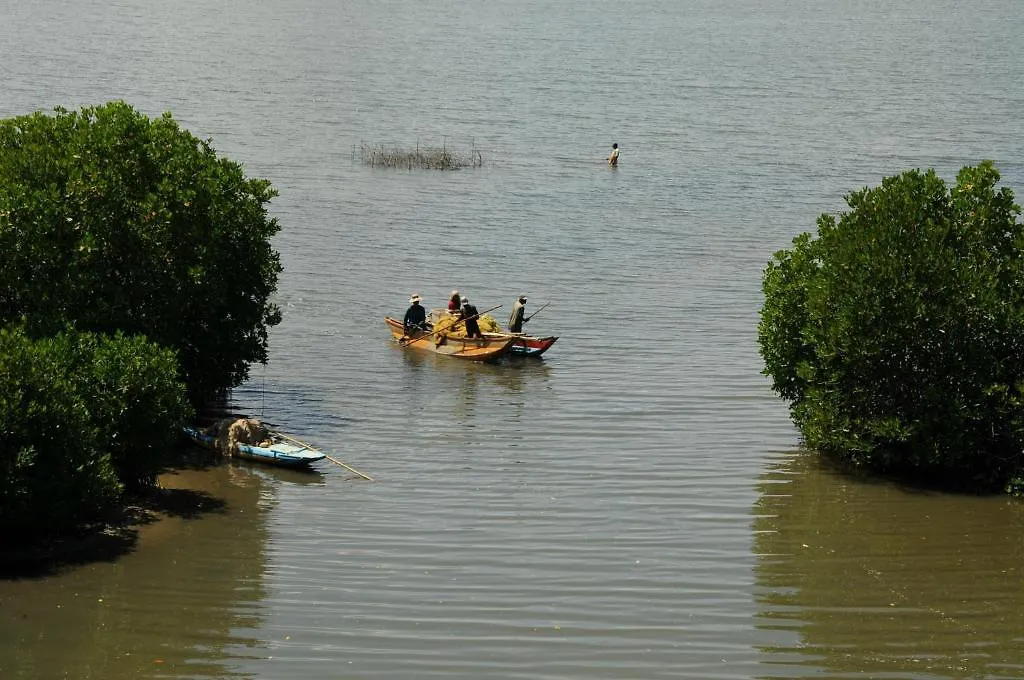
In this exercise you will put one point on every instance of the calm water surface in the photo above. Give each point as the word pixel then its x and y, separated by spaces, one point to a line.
pixel 633 506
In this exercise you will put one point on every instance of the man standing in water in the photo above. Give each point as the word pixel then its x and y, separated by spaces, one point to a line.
pixel 515 319
pixel 613 159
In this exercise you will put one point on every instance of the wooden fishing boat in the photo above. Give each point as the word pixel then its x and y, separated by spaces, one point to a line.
pixel 522 344
pixel 491 346
pixel 277 452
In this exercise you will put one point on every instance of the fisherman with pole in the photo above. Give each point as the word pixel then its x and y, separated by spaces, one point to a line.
pixel 455 321
pixel 470 316
pixel 415 320
pixel 516 318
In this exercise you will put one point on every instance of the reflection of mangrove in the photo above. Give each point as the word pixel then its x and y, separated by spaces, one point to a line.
pixel 872 578
pixel 173 606
pixel 118 536
pixel 422 158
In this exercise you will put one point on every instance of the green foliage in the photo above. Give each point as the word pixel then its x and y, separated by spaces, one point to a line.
pixel 112 221
pixel 136 399
pixel 53 469
pixel 81 417
pixel 894 334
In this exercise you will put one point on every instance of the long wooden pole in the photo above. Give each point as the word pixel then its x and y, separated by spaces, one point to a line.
pixel 453 324
pixel 330 458
pixel 536 313
pixel 348 467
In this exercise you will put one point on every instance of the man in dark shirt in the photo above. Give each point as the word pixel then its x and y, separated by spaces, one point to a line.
pixel 470 316
pixel 415 317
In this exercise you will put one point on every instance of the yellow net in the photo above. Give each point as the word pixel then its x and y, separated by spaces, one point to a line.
pixel 450 325
pixel 230 433
pixel 489 325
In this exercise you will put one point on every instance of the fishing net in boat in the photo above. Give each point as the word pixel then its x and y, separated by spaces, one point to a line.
pixel 489 325
pixel 450 325
pixel 230 433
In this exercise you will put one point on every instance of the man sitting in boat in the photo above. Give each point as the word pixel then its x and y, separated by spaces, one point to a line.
pixel 415 321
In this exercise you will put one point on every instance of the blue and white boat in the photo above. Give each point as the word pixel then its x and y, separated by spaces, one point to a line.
pixel 275 451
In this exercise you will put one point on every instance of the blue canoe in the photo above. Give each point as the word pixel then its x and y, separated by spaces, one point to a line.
pixel 279 452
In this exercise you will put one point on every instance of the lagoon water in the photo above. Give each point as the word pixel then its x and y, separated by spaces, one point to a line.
pixel 636 505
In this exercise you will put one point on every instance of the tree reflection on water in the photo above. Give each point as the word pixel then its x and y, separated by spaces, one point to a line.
pixel 171 606
pixel 869 577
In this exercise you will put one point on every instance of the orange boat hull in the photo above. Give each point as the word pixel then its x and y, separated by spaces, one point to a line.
pixel 474 349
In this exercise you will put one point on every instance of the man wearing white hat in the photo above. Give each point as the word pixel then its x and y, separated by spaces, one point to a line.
pixel 515 319
pixel 415 317
pixel 471 316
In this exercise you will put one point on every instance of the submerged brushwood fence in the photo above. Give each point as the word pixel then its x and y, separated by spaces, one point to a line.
pixel 423 158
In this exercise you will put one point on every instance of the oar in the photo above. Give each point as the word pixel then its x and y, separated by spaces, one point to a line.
pixel 330 458
pixel 451 325
pixel 536 313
